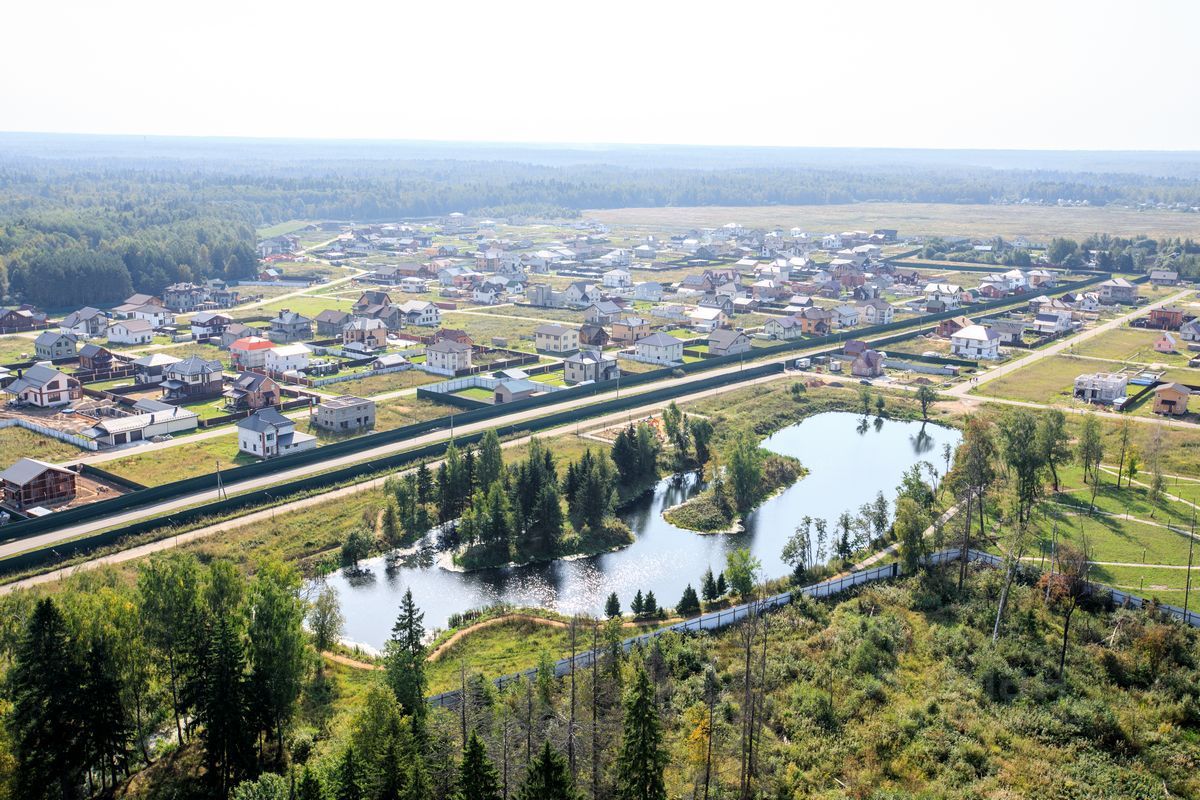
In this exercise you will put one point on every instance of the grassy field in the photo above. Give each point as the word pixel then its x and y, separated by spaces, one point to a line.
pixel 498 650
pixel 1132 345
pixel 929 219
pixel 17 443
pixel 308 306
pixel 12 347
pixel 1049 380
pixel 380 384
pixel 164 465
pixel 281 228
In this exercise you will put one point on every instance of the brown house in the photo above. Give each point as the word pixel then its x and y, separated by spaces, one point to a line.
pixel 29 483
pixel 628 330
pixel 251 391
pixel 1171 399
pixel 949 327
pixel 1167 318
pixel 454 335
pixel 593 335
pixel 94 357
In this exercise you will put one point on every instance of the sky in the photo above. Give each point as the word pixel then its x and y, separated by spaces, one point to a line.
pixel 1051 74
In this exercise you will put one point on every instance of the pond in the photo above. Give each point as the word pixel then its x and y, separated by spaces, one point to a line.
pixel 849 460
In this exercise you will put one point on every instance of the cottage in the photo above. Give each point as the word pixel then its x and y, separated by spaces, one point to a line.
pixel 184 297
pixel 581 294
pixel 208 325
pixel 876 311
pixel 235 331
pixel 372 298
pixel 593 336
pixel 617 279
pixel 130 331
pixel 331 322
pixel 152 368
pixel 1166 343
pixel 602 312
pixel 589 365
pixel 1167 318
pixel 707 318
pixel 628 330
pixel 1101 387
pixel 193 378
pixel 289 327
pixel 815 320
pixel 94 358
pixel 1118 290
pixel 369 334
pixel 1010 331
pixel 29 483
pixel 556 339
pixel 158 316
pixel 1052 323
pixel 951 326
pixel 1190 331
pixel 24 318
pixel 134 302
pixel 267 433
pixel 53 345
pixel 445 357
pixel 1171 399
pixel 945 295
pixel 454 335
pixel 45 387
pixel 251 391
pixel 421 313
pixel 976 342
pixel 391 361
pixel 724 342
pixel 783 328
pixel 87 321
pixel 648 290
pixel 250 352
pixel 346 414
pixel 287 358
pixel 867 364
pixel 845 316
pixel 660 348
pixel 1164 277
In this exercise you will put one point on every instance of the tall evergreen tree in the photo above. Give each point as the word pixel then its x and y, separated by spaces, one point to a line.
pixel 276 638
pixel 477 778
pixel 612 606
pixel 689 604
pixel 708 586
pixel 222 707
pixel 349 778
pixel 105 718
pixel 490 464
pixel 405 660
pixel 642 758
pixel 548 777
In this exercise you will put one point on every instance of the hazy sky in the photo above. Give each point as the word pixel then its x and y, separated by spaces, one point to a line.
pixel 1014 74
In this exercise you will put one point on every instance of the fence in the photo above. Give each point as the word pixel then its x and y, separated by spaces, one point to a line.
pixel 70 438
pixel 716 620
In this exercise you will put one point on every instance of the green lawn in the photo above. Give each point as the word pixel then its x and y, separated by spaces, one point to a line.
pixel 1049 380
pixel 13 347
pixel 381 384
pixel 475 393
pixel 308 306
pixel 168 464
pixel 281 228
pixel 17 443
pixel 1133 345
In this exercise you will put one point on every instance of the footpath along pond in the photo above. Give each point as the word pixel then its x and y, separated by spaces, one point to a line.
pixel 848 462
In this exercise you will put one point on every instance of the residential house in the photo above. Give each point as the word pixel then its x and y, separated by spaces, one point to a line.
pixel 1167 318
pixel 235 331
pixel 593 336
pixel 266 433
pixel 184 297
pixel 509 390
pixel 134 302
pixel 867 364
pixel 951 326
pixel 289 326
pixel 1164 277
pixel 1166 343
pixel 976 342
pixel 815 321
pixel 648 290
pixel 783 328
pixel 1052 323
pixel 87 321
pixel 193 378
pixel 250 353
pixel 330 323
pixel 876 311
pixel 445 357
pixel 421 313
pixel 251 391
pixel 158 316
pixel 556 338
pixel 707 318
pixel 945 295
pixel 153 367
pixel 724 342
pixel 288 358
pixel 1171 399
pixel 346 414
pixel 1101 387
pixel 369 334
pixel 130 331
pixel 1190 331
pixel 45 387
pixel 370 299
pixel 602 312
pixel 660 348
pixel 94 358
pixel 391 361
pixel 845 316
pixel 207 325
pixel 628 330
pixel 589 365
pixel 25 318
pixel 581 294
pixel 52 345
pixel 1010 331
pixel 29 483
pixel 617 279
pixel 1118 290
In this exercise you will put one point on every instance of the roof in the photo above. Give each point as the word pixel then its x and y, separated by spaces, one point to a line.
pixel 156 360
pixel 133 325
pixel 91 350
pixel 333 315
pixel 47 338
pixel 252 343
pixel 977 333
pixel 195 365
pixel 34 377
pixel 723 338
pixel 27 469
pixel 365 324
pixel 250 381
pixel 448 346
pixel 593 356
pixel 205 317
pixel 390 360
pixel 520 385
pixel 1174 387
pixel 630 322
pixel 287 317
pixel 347 401
pixel 265 419
pixel 659 340
pixel 551 330
pixel 283 351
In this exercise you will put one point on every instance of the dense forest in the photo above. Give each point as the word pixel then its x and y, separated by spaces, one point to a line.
pixel 91 228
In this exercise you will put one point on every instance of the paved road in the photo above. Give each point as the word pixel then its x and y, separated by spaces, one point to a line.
pixel 1062 344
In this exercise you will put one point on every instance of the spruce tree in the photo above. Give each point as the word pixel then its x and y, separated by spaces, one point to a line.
pixel 477 778
pixel 277 647
pixel 612 606
pixel 638 603
pixel 708 586
pixel 106 720
pixel 349 778
pixel 309 786
pixel 490 463
pixel 226 729
pixel 548 777
pixel 642 758
pixel 405 660
pixel 722 586
pixel 650 604
pixel 689 604
pixel 46 723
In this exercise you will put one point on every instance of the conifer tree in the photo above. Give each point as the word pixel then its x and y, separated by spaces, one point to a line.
pixel 477 778
pixel 689 604
pixel 222 708
pixel 405 660
pixel 548 777
pixel 642 757
pixel 708 586
pixel 638 603
pixel 349 778
pixel 612 606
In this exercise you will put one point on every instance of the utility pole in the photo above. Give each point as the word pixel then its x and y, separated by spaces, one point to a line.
pixel 221 495
pixel 1188 586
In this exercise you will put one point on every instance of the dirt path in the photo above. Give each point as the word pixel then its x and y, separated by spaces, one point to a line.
pixel 347 661
pixel 458 635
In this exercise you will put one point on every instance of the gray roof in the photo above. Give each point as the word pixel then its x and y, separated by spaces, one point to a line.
pixel 49 338
pixel 195 365
pixel 34 377
pixel 266 419
pixel 723 337
pixel 27 469
pixel 659 340
pixel 551 330
pixel 90 350
pixel 590 355
pixel 448 346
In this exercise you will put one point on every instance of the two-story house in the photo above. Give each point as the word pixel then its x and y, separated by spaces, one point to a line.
pixel 267 433
pixel 446 357
pixel 251 391
pixel 660 348
pixel 589 365
pixel 45 387
pixel 51 345
pixel 290 327
pixel 556 338
pixel 193 378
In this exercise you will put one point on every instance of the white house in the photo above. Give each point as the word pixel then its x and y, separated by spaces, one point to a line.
pixel 421 312
pixel 845 316
pixel 447 357
pixel 130 331
pixel 156 315
pixel 287 358
pixel 976 342
pixel 948 294
pixel 617 279
pixel 876 312
pixel 1101 387
pixel 648 290
pixel 659 348
pixel 267 433
pixel 156 419
pixel 783 328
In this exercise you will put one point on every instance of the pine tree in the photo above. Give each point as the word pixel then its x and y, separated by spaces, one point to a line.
pixel 548 777
pixel 689 604
pixel 349 778
pixel 722 586
pixel 393 531
pixel 309 787
pixel 222 708
pixel 477 779
pixel 490 464
pixel 650 604
pixel 612 606
pixel 47 729
pixel 642 757
pixel 708 586
pixel 106 720
pixel 637 604
pixel 405 660
pixel 424 484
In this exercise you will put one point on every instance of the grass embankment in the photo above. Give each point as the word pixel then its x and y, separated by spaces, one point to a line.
pixel 709 513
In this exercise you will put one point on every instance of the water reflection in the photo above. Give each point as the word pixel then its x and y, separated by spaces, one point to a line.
pixel 845 471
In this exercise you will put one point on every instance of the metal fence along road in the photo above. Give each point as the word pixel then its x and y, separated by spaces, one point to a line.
pixel 716 620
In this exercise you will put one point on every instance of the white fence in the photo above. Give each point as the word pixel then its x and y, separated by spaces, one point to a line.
pixel 70 438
